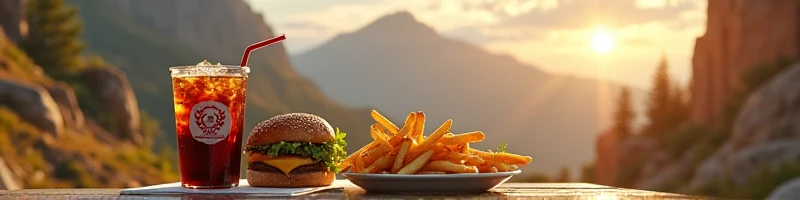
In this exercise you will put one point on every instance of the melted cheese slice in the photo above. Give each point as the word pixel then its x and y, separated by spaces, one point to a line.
pixel 284 163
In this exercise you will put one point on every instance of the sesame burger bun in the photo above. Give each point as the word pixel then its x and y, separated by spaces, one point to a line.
pixel 280 180
pixel 291 127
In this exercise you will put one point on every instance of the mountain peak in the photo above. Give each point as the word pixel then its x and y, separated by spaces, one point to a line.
pixel 400 20
pixel 399 16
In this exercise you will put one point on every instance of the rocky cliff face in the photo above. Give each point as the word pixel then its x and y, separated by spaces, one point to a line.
pixel 766 133
pixel 740 34
pixel 221 35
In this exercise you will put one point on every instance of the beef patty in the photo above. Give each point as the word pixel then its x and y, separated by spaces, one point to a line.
pixel 259 166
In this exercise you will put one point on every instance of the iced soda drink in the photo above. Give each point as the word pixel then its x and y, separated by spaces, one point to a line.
pixel 209 118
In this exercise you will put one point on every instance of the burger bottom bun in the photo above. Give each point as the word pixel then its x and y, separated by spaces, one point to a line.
pixel 280 180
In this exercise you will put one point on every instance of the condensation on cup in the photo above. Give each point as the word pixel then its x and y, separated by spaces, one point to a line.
pixel 209 102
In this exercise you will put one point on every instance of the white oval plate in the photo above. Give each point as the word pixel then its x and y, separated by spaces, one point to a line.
pixel 429 183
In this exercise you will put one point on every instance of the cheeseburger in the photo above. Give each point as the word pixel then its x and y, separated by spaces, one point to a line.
pixel 294 150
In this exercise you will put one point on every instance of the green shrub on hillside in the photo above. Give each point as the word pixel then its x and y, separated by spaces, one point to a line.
pixel 758 185
pixel 52 41
pixel 588 172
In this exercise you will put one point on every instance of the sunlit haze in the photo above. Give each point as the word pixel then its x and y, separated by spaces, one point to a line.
pixel 602 42
pixel 556 36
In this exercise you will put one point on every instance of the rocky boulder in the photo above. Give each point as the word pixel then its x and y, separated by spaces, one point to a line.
pixel 788 190
pixel 64 96
pixel 636 148
pixel 661 170
pixel 33 104
pixel 113 91
pixel 766 132
pixel 740 34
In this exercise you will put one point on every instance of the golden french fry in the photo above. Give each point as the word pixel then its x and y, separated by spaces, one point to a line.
pixel 358 166
pixel 474 160
pixel 439 147
pixel 503 167
pixel 398 161
pixel 382 132
pixel 372 155
pixel 455 148
pixel 471 137
pixel 486 168
pixel 456 157
pixel 381 164
pixel 347 162
pixel 384 122
pixel 464 148
pixel 431 172
pixel 430 142
pixel 504 157
pixel 493 169
pixel 345 168
pixel 419 127
pixel 398 137
pixel 375 133
pixel 448 166
pixel 440 155
pixel 416 164
pixel 472 169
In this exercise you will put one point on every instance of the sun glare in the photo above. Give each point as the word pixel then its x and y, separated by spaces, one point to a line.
pixel 602 42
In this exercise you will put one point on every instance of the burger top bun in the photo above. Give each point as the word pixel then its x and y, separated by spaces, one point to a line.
pixel 291 127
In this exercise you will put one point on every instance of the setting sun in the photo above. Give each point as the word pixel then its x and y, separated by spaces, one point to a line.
pixel 602 42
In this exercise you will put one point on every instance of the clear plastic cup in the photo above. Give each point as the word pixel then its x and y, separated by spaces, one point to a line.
pixel 209 120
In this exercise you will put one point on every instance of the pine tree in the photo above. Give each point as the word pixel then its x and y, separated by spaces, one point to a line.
pixel 679 105
pixel 667 105
pixel 658 111
pixel 623 117
pixel 52 41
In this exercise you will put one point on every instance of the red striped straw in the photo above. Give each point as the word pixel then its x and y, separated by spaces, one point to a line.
pixel 258 45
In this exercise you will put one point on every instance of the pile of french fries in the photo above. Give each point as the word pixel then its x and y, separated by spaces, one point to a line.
pixel 406 151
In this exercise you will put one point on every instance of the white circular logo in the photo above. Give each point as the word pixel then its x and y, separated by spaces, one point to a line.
pixel 210 122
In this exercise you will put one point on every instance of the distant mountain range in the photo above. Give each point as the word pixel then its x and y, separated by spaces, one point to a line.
pixel 398 65
pixel 145 37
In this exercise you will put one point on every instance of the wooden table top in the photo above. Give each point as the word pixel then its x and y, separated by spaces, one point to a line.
pixel 504 191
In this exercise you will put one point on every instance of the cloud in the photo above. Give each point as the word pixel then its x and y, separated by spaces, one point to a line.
pixel 304 25
pixel 482 35
pixel 636 41
pixel 571 14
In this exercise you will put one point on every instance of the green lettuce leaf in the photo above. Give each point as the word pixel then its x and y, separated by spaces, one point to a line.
pixel 331 153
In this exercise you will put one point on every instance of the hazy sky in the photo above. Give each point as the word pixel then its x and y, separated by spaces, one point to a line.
pixel 560 36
